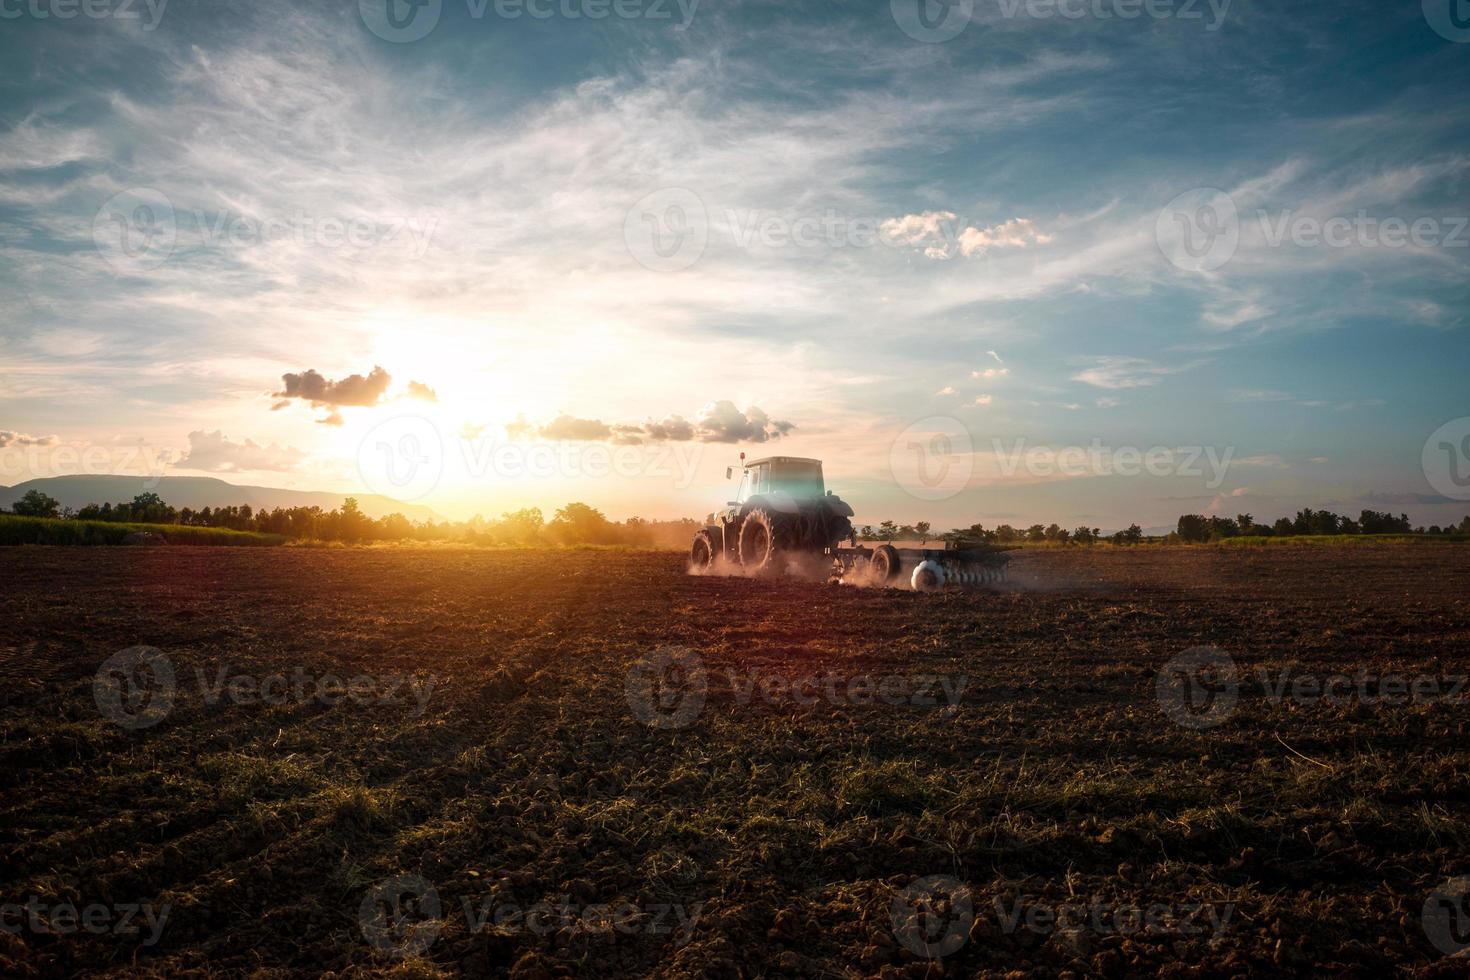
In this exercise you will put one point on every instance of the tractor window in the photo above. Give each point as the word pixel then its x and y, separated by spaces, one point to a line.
pixel 760 478
pixel 744 491
pixel 800 479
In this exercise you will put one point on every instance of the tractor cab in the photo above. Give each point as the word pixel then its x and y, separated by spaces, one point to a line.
pixel 794 475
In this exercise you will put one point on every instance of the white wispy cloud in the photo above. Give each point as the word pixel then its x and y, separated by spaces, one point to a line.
pixel 1129 372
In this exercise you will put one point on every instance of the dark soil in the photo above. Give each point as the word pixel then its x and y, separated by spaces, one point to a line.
pixel 802 756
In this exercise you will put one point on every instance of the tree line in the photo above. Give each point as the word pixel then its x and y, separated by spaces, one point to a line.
pixel 1196 527
pixel 1001 534
pixel 580 524
pixel 573 525
pixel 1191 529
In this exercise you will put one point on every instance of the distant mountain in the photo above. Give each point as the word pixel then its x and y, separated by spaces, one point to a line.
pixel 198 492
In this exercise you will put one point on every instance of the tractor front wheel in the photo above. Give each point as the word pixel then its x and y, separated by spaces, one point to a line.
pixel 702 552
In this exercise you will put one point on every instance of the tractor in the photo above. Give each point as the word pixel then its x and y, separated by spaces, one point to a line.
pixel 784 514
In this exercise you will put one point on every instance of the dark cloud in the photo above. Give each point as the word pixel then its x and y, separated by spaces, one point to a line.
pixel 354 389
pixel 213 453
pixel 721 421
pixel 675 428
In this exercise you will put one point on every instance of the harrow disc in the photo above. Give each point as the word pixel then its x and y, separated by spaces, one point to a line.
pixel 971 574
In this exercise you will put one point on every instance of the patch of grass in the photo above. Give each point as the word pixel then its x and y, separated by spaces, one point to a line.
pixel 239 777
pixel 360 808
pixel 886 787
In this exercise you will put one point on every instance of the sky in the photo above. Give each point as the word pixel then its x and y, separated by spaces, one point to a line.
pixel 1089 261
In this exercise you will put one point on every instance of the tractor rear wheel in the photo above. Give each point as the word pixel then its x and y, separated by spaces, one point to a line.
pixel 702 552
pixel 886 563
pixel 763 536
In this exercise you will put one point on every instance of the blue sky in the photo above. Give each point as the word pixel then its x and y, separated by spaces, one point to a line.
pixel 869 240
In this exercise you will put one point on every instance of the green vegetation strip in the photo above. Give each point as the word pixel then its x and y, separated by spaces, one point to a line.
pixel 46 530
